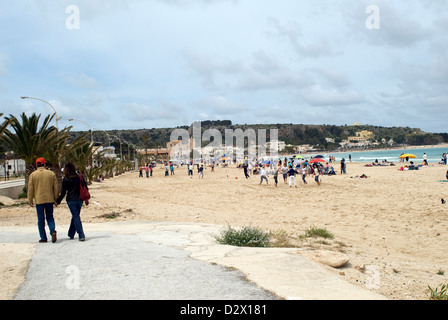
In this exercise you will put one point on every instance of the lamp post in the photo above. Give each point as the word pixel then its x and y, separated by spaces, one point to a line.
pixel 108 136
pixel 57 127
pixel 91 129
pixel 121 150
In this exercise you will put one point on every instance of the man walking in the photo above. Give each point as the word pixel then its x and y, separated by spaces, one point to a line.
pixel 43 190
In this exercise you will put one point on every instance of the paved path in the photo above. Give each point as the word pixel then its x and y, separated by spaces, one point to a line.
pixel 175 261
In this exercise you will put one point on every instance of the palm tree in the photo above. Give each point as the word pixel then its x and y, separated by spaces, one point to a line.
pixel 61 148
pixel 3 125
pixel 81 155
pixel 29 141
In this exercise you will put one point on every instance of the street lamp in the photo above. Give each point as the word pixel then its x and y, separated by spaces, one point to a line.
pixel 108 136
pixel 91 130
pixel 57 127
pixel 121 150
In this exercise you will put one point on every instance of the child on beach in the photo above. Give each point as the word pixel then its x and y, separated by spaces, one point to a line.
pixel 284 172
pixel 201 172
pixel 167 168
pixel 303 171
pixel 147 171
pixel 263 175
pixel 316 174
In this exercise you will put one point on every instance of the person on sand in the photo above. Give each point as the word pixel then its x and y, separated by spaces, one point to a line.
pixel 201 172
pixel 303 171
pixel 343 166
pixel 167 169
pixel 246 173
pixel 276 177
pixel 284 172
pixel 316 173
pixel 71 189
pixel 43 189
pixel 263 175
pixel 147 171
pixel 292 176
pixel 140 170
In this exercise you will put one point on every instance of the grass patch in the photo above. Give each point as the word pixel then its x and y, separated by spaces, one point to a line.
pixel 313 232
pixel 111 215
pixel 24 194
pixel 244 237
pixel 439 293
pixel 280 239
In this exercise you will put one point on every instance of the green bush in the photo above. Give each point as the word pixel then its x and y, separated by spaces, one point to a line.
pixel 244 237
pixel 317 232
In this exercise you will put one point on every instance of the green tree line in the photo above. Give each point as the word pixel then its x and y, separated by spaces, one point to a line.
pixel 293 134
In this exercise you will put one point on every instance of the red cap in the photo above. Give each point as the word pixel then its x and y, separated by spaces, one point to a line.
pixel 40 161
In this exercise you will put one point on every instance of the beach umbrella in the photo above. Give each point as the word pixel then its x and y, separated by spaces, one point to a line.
pixel 317 160
pixel 407 155
pixel 299 157
pixel 318 157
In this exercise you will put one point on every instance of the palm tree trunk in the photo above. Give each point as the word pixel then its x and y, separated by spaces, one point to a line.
pixel 29 169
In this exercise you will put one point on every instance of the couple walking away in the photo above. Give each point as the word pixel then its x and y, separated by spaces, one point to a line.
pixel 43 191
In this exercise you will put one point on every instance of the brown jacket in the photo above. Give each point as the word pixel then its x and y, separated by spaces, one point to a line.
pixel 42 186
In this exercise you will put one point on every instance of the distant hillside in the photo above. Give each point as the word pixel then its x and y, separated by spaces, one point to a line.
pixel 291 134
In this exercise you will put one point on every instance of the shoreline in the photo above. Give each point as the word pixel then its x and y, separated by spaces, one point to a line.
pixel 445 145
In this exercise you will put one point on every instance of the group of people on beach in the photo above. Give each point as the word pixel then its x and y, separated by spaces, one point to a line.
pixel 169 169
pixel 43 193
pixel 289 171
pixel 148 168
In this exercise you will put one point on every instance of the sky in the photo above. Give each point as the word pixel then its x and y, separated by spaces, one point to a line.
pixel 140 64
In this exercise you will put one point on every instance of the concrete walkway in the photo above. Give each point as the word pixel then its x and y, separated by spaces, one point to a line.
pixel 175 261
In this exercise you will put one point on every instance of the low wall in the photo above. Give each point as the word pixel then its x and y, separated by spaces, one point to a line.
pixel 12 189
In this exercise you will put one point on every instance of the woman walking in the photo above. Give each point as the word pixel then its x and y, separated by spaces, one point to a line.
pixel 71 188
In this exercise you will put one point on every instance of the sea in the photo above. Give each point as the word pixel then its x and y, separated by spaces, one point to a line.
pixel 434 155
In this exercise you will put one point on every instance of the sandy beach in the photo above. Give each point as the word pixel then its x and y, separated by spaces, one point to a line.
pixel 392 221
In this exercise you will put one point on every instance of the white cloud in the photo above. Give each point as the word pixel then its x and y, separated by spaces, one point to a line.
pixel 80 80
pixel 318 96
